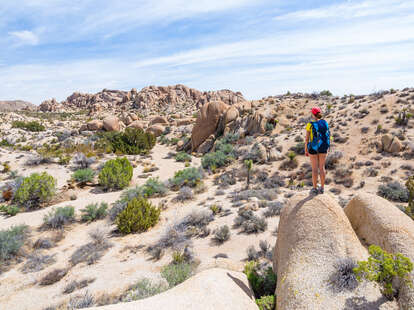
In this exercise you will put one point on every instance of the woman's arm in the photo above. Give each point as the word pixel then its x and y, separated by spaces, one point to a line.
pixel 306 143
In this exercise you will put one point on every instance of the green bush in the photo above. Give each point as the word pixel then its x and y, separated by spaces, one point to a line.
pixel 94 212
pixel 154 187
pixel 183 157
pixel 83 176
pixel 266 302
pixel 325 93
pixel 35 190
pixel 176 273
pixel 59 217
pixel 29 126
pixel 383 268
pixel 223 156
pixel 262 279
pixel 138 216
pixel 132 141
pixel 189 177
pixel 393 191
pixel 9 210
pixel 116 174
pixel 11 240
pixel 409 210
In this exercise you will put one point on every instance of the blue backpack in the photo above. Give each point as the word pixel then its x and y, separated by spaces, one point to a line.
pixel 321 136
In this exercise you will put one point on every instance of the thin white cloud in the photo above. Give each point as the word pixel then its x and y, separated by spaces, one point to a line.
pixel 25 37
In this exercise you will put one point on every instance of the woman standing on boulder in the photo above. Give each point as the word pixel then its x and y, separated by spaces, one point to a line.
pixel 317 144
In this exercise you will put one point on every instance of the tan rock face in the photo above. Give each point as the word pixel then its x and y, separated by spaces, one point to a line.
pixel 95 125
pixel 137 124
pixel 159 120
pixel 257 123
pixel 210 289
pixel 207 122
pixel 184 121
pixel 379 222
pixel 313 234
pixel 231 114
pixel 156 130
pixel 111 123
pixel 391 144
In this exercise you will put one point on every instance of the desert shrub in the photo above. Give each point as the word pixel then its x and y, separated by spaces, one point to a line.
pixel 182 157
pixel 43 243
pixel 384 268
pixel 138 216
pixel 344 278
pixel 37 262
pixel 93 212
pixel 332 159
pixel 185 193
pixel 142 289
pixel 11 240
pixel 298 148
pixel 409 210
pixel 222 234
pixel 266 302
pixel 132 141
pixel 325 93
pixel 116 174
pixel 9 210
pixel 273 208
pixel 189 177
pixel 261 278
pixel 82 161
pixel 54 276
pixel 35 190
pixel 264 246
pixel 92 251
pixel 215 160
pixel 176 273
pixel 393 191
pixel 75 285
pixel 83 176
pixel 153 187
pixel 252 254
pixel 81 301
pixel 59 217
pixel 261 194
pixel 250 223
pixel 29 126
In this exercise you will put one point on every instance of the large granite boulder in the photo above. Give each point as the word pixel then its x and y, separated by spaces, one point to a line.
pixel 111 123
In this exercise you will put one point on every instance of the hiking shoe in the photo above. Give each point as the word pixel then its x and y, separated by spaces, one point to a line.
pixel 314 191
pixel 321 190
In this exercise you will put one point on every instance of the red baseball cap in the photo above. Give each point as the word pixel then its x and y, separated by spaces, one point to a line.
pixel 316 110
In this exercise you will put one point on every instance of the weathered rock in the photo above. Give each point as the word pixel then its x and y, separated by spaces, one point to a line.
pixel 159 120
pixel 396 146
pixel 156 130
pixel 111 123
pixel 274 155
pixel 207 122
pixel 231 114
pixel 49 106
pixel 184 121
pixel 137 124
pixel 379 222
pixel 226 290
pixel 95 125
pixel 257 123
pixel 207 145
pixel 313 235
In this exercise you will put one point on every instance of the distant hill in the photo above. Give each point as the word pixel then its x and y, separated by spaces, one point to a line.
pixel 16 105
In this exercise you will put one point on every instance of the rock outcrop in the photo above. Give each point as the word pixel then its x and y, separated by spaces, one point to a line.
pixel 210 289
pixel 379 222
pixel 16 105
pixel 207 121
pixel 390 144
pixel 313 235
pixel 111 123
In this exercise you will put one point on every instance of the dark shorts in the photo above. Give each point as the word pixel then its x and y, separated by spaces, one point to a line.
pixel 322 150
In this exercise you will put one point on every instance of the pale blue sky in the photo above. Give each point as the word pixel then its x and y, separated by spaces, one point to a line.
pixel 51 48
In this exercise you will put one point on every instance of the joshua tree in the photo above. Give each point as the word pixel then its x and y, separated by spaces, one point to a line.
pixel 249 165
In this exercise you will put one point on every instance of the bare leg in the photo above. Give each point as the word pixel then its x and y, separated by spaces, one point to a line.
pixel 314 163
pixel 322 158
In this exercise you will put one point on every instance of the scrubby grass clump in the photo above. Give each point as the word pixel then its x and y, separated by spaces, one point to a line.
pixel 183 157
pixel 93 212
pixel 29 126
pixel 250 223
pixel 132 141
pixel 176 273
pixel 344 278
pixel 83 176
pixel 222 234
pixel 393 191
pixel 189 177
pixel 223 156
pixel 384 268
pixel 144 288
pixel 138 216
pixel 59 217
pixel 35 190
pixel 116 174
pixel 11 240
pixel 9 210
